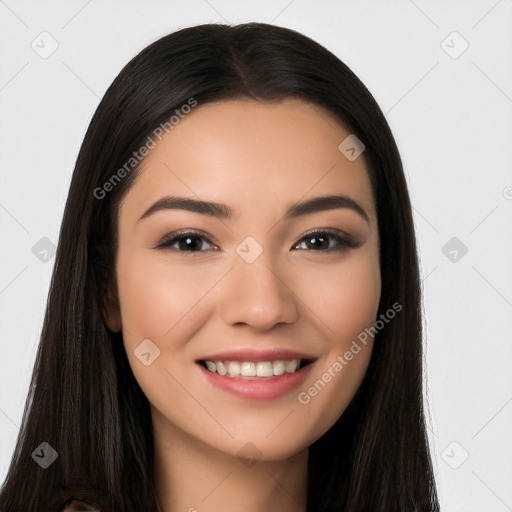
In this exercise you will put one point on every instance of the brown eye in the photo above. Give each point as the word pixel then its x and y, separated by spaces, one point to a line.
pixel 186 241
pixel 320 241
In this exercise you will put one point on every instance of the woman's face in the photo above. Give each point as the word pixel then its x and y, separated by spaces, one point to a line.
pixel 247 285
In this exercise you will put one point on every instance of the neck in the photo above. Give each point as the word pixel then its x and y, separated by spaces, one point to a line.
pixel 192 476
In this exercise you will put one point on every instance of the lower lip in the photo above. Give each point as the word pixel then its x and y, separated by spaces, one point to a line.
pixel 258 389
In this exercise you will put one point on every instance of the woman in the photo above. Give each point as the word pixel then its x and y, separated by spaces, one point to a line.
pixel 234 320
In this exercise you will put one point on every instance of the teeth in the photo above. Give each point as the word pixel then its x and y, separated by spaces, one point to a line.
pixel 291 365
pixel 264 369
pixel 233 369
pixel 278 367
pixel 254 368
pixel 221 369
pixel 248 369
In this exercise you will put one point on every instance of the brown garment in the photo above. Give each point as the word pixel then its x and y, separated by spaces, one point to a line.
pixel 79 506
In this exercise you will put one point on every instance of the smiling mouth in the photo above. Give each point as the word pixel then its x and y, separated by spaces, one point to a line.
pixel 255 370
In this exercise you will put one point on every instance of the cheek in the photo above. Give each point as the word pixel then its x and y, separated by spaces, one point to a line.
pixel 154 298
pixel 161 303
pixel 345 297
pixel 354 302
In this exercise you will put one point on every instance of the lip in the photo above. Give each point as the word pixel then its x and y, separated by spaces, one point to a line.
pixel 257 355
pixel 257 389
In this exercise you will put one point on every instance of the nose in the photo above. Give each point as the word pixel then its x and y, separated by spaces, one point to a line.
pixel 256 295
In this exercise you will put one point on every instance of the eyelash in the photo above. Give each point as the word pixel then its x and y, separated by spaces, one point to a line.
pixel 344 242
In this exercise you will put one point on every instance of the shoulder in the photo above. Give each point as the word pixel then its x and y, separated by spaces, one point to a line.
pixel 75 505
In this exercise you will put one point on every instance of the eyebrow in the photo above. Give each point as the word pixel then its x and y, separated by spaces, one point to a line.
pixel 222 211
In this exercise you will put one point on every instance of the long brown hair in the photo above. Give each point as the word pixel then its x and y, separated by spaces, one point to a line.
pixel 84 400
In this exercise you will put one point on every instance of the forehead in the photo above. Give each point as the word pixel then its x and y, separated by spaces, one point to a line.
pixel 252 154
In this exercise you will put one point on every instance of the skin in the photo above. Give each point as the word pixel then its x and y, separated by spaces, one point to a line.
pixel 257 158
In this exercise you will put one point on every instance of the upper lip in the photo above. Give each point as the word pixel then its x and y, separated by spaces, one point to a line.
pixel 270 354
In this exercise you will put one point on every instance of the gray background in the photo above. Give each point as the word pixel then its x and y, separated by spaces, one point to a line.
pixel 450 111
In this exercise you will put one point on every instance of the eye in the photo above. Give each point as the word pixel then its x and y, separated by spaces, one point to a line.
pixel 188 242
pixel 320 238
